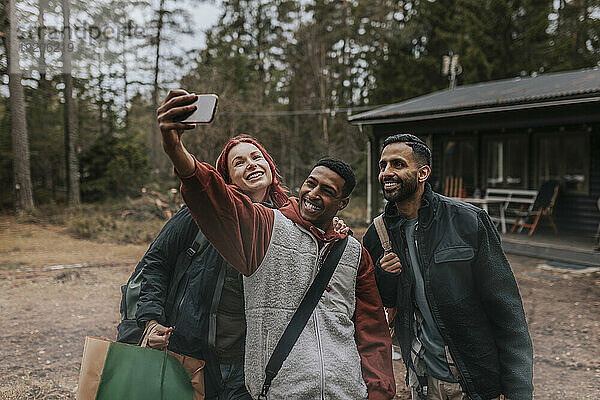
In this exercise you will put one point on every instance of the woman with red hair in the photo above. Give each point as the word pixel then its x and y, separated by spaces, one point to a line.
pixel 201 314
pixel 275 193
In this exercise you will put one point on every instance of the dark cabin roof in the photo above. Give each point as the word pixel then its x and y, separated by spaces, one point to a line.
pixel 515 93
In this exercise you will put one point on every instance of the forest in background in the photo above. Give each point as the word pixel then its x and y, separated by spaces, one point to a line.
pixel 78 114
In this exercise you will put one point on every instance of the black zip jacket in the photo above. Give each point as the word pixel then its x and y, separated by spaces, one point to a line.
pixel 193 304
pixel 471 291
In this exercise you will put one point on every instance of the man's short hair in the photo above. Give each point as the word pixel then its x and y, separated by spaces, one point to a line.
pixel 342 169
pixel 420 149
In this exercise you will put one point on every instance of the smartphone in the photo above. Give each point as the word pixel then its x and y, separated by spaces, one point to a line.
pixel 206 107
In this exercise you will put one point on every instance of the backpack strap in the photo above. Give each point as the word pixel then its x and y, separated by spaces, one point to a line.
pixel 384 238
pixel 214 307
pixel 198 246
pixel 303 312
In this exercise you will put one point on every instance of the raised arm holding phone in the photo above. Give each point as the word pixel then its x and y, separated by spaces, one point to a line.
pixel 345 349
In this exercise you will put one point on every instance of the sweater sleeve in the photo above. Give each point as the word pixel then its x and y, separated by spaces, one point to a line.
pixel 501 299
pixel 239 229
pixel 372 335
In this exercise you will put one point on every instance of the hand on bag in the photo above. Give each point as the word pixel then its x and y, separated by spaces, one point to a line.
pixel 391 263
pixel 339 226
pixel 158 337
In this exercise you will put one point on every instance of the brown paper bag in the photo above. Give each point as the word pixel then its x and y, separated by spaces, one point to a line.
pixel 95 353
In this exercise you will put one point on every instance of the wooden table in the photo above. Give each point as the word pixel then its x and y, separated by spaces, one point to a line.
pixel 483 203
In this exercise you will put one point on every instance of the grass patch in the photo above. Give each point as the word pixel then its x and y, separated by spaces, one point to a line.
pixel 134 221
pixel 12 265
pixel 115 229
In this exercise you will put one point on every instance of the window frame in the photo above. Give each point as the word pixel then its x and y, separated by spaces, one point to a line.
pixel 459 138
pixel 586 154
pixel 504 138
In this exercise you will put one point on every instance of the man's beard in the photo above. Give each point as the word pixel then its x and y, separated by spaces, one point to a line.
pixel 408 187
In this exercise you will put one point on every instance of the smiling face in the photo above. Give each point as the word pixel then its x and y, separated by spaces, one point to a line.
pixel 249 170
pixel 400 173
pixel 321 197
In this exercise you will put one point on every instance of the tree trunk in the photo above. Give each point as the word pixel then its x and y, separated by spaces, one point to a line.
pixel 125 83
pixel 43 90
pixel 42 46
pixel 21 166
pixel 72 164
pixel 155 134
pixel 322 92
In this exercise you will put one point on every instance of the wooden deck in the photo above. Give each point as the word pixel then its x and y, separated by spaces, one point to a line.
pixel 546 245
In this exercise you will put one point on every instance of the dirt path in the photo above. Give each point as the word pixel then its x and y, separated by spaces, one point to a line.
pixel 47 314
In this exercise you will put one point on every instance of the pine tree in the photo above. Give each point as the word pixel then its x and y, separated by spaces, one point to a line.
pixel 71 162
pixel 575 38
pixel 21 161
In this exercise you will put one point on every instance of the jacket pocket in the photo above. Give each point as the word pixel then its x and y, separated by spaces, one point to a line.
pixel 451 254
pixel 451 276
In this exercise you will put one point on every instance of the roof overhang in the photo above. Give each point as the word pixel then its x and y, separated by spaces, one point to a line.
pixel 548 99
pixel 460 113
pixel 557 113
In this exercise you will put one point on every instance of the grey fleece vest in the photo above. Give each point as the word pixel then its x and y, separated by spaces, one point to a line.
pixel 324 363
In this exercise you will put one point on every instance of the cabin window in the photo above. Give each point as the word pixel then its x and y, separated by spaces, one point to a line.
pixel 459 160
pixel 564 157
pixel 505 161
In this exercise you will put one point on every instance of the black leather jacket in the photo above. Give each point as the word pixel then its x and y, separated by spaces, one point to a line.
pixel 471 290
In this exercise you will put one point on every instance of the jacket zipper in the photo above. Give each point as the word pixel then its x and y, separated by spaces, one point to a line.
pixel 181 301
pixel 316 320
pixel 428 296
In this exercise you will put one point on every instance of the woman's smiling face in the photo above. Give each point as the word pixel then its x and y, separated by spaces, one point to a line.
pixel 249 170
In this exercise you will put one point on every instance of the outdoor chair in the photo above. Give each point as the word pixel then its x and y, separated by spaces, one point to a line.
pixel 542 206
pixel 454 187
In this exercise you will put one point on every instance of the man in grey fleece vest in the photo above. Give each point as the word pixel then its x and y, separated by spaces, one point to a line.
pixel 344 352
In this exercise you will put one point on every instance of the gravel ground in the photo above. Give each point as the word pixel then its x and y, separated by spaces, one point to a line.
pixel 47 314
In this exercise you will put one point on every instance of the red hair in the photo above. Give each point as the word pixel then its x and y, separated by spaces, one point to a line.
pixel 276 193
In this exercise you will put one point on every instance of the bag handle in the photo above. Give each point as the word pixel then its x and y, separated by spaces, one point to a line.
pixel 144 339
pixel 300 318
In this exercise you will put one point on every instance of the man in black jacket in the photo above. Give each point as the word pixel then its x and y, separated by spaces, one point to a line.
pixel 460 320
pixel 205 315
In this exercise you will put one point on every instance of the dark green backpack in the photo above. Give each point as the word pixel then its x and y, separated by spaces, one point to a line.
pixel 128 330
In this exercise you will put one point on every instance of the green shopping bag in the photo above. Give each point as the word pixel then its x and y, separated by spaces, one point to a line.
pixel 111 370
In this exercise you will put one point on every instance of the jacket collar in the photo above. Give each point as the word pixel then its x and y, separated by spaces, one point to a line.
pixel 427 210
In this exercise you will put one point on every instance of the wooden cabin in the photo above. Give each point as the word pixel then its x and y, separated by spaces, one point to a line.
pixel 514 133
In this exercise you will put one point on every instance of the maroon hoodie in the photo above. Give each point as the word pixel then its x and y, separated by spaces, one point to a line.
pixel 241 231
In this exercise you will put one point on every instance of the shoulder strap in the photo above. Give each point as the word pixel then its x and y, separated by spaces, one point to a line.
pixel 302 314
pixel 383 234
pixel 214 306
pixel 199 244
